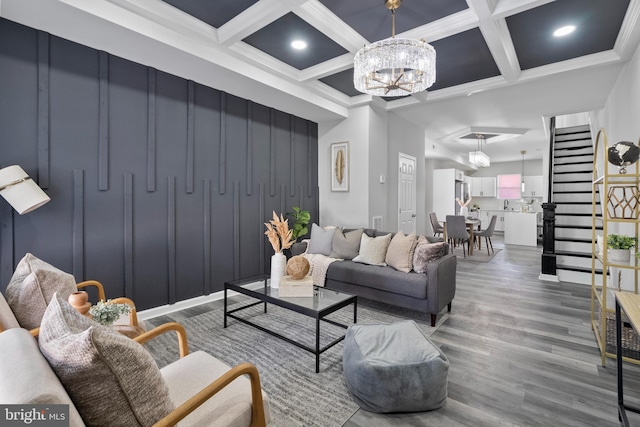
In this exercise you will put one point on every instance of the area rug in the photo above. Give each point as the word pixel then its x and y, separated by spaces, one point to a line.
pixel 298 396
pixel 479 255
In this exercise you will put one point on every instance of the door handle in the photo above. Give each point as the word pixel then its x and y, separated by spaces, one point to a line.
pixel 413 216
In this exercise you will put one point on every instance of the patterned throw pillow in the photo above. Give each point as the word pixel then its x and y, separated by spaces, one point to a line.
pixel 346 245
pixel 425 253
pixel 111 379
pixel 32 287
pixel 400 252
pixel 373 250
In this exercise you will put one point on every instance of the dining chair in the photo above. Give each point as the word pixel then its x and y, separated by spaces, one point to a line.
pixel 435 225
pixel 457 231
pixel 487 233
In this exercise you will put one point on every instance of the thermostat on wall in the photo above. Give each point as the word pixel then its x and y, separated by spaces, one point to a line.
pixel 382 179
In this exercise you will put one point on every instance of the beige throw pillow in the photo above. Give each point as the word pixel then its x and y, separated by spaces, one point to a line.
pixel 111 379
pixel 32 286
pixel 400 252
pixel 373 249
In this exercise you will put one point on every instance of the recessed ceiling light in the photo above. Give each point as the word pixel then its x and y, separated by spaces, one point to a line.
pixel 299 44
pixel 563 31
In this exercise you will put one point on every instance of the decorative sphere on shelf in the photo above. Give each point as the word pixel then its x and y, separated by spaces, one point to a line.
pixel 623 154
pixel 298 267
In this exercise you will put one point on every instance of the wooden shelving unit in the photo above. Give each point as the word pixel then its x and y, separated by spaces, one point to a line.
pixel 614 188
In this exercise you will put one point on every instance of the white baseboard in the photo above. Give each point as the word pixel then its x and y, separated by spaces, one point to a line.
pixel 182 305
pixel 548 277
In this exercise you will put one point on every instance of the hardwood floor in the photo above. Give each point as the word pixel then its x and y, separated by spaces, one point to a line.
pixel 521 352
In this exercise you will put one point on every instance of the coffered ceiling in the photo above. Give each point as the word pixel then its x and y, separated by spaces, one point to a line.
pixel 498 65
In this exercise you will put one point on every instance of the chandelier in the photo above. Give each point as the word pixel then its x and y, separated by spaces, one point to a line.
pixel 394 67
pixel 477 157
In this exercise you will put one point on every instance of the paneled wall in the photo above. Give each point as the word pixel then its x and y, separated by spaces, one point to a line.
pixel 159 186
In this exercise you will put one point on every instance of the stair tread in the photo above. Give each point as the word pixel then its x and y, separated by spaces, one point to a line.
pixel 580 269
pixel 573 239
pixel 578 227
pixel 576 214
pixel 574 253
pixel 572 192
pixel 568 172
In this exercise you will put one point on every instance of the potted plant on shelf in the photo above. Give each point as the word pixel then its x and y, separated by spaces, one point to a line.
pixel 619 246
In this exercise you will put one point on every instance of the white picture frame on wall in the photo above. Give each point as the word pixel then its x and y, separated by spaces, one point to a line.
pixel 340 166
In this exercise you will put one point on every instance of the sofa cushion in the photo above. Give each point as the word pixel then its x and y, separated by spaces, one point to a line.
pixel 27 378
pixel 346 245
pixel 7 318
pixel 377 277
pixel 32 287
pixel 400 252
pixel 373 250
pixel 111 379
pixel 229 407
pixel 425 253
pixel 321 240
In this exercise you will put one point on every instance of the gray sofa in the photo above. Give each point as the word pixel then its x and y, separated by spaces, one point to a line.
pixel 428 293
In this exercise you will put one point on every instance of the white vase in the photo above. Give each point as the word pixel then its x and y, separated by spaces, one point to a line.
pixel 278 267
pixel 464 211
pixel 619 255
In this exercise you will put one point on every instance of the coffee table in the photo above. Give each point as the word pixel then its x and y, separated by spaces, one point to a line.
pixel 323 303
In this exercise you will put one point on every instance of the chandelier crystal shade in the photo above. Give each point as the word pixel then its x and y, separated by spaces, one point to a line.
pixel 394 67
pixel 478 157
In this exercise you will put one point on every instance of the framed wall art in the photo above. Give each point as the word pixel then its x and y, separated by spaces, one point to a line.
pixel 340 166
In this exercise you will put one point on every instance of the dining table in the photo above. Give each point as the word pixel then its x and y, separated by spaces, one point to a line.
pixel 471 224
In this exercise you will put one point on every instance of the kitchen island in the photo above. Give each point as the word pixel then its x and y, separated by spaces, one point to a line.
pixel 520 228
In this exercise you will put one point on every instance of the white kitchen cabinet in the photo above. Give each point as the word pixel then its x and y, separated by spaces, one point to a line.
pixel 533 186
pixel 485 216
pixel 483 186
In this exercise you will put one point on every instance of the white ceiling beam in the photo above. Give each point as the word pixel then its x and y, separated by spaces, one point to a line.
pixel 327 68
pixel 320 17
pixel 629 34
pixel 506 8
pixel 442 28
pixel 496 34
pixel 251 20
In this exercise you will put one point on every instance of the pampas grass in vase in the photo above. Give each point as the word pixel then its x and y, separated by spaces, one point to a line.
pixel 281 238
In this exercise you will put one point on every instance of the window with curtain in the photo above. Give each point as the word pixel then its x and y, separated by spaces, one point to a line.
pixel 509 187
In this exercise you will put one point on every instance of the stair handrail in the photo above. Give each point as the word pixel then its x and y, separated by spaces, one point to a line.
pixel 548 267
pixel 552 142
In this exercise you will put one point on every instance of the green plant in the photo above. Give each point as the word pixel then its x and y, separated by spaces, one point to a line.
pixel 108 312
pixel 301 220
pixel 620 241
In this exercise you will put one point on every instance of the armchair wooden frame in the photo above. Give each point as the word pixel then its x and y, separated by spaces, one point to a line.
pixel 133 315
pixel 257 406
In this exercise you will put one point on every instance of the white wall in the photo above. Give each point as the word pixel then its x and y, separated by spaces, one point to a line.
pixel 378 193
pixel 406 138
pixel 350 208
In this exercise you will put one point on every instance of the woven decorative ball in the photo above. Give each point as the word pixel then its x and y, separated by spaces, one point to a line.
pixel 298 267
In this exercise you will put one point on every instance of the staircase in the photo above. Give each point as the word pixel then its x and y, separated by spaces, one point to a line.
pixel 572 177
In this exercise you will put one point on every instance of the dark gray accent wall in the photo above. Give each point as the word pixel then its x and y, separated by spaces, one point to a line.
pixel 159 186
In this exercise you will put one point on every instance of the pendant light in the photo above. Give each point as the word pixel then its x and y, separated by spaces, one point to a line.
pixel 523 152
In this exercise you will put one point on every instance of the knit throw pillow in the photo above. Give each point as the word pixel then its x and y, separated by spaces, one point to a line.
pixel 111 379
pixel 373 250
pixel 32 287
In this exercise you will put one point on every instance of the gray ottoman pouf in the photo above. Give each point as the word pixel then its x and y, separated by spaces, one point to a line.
pixel 394 368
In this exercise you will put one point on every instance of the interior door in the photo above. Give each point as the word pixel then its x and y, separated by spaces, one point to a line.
pixel 407 194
